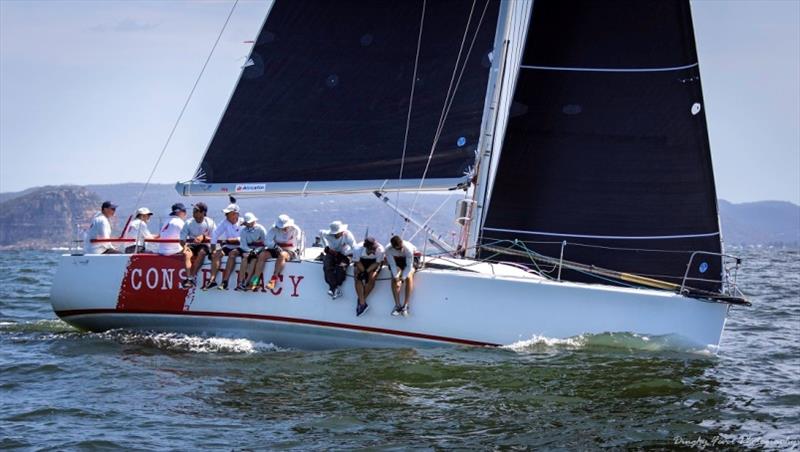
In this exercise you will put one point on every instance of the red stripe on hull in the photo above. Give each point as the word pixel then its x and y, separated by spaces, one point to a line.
pixel 369 329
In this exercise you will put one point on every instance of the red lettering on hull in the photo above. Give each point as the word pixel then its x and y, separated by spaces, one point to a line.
pixel 153 282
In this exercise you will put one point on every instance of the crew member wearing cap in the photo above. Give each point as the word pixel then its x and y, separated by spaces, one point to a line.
pixel 338 242
pixel 252 240
pixel 284 242
pixel 195 235
pixel 368 259
pixel 228 231
pixel 138 231
pixel 172 231
pixel 100 229
pixel 400 257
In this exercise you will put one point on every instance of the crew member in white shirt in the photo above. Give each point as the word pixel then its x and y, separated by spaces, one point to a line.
pixel 252 241
pixel 367 260
pixel 195 236
pixel 284 242
pixel 339 243
pixel 228 231
pixel 138 231
pixel 100 229
pixel 400 257
pixel 172 231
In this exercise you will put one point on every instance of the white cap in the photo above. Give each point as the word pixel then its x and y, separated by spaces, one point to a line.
pixel 249 217
pixel 337 227
pixel 231 208
pixel 284 221
pixel 143 211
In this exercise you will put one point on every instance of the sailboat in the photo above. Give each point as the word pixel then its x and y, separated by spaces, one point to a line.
pixel 575 129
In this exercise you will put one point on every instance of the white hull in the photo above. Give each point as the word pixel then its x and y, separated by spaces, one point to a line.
pixel 495 305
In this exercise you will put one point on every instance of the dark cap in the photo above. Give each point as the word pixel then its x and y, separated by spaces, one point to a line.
pixel 370 243
pixel 177 207
pixel 108 205
pixel 201 206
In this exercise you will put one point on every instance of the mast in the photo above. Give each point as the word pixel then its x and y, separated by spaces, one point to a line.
pixel 512 27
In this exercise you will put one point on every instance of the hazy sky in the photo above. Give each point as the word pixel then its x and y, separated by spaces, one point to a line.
pixel 89 90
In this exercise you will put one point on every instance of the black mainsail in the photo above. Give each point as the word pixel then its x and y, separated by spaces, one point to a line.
pixel 606 146
pixel 322 103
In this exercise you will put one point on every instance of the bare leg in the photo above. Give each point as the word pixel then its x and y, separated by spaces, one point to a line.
pixel 216 259
pixel 409 288
pixel 360 291
pixel 187 254
pixel 230 265
pixel 259 266
pixel 198 263
pixel 396 282
pixel 370 284
pixel 245 269
pixel 280 263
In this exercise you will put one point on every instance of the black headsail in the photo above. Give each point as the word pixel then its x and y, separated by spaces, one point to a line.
pixel 323 101
pixel 606 147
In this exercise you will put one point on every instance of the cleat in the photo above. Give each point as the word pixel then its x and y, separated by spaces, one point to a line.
pixel 271 283
pixel 396 311
pixel 330 293
pixel 337 293
pixel 404 311
pixel 224 286
pixel 360 309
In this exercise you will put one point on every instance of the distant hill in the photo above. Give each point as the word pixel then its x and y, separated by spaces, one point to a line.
pixel 765 222
pixel 46 216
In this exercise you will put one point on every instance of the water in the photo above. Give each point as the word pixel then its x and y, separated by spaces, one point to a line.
pixel 60 388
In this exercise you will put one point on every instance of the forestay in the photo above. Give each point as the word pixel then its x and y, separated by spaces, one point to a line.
pixel 606 147
pixel 323 101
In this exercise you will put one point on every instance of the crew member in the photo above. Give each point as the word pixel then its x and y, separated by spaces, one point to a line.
pixel 338 243
pixel 285 242
pixel 171 231
pixel 252 241
pixel 400 257
pixel 228 230
pixel 138 231
pixel 100 229
pixel 368 259
pixel 195 235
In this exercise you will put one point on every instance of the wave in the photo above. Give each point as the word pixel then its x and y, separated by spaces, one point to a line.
pixel 185 343
pixel 38 326
pixel 611 341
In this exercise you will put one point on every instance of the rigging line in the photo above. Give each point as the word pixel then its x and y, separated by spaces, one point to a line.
pixel 425 223
pixel 186 104
pixel 451 97
pixel 444 107
pixel 410 104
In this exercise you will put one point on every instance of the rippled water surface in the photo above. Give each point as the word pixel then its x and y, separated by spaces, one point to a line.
pixel 65 389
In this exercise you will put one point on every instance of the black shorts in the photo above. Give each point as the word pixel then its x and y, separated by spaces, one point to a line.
pixel 254 253
pixel 196 247
pixel 273 252
pixel 226 250
pixel 400 262
pixel 367 262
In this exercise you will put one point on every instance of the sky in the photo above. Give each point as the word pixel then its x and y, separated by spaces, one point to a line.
pixel 89 90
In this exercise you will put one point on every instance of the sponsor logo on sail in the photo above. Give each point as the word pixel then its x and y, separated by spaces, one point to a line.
pixel 249 188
